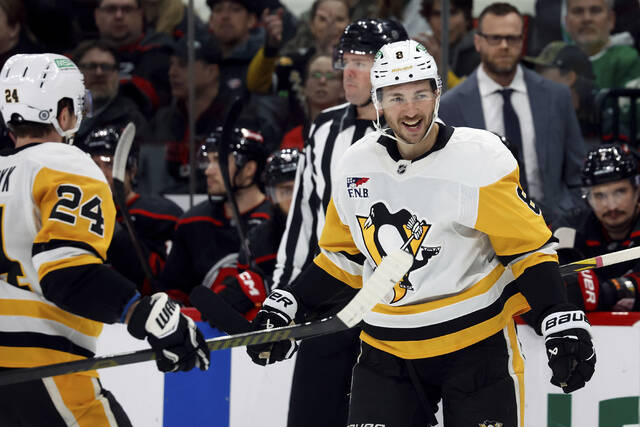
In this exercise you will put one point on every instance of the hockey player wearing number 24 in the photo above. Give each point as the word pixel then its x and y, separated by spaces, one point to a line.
pixel 57 220
pixel 482 255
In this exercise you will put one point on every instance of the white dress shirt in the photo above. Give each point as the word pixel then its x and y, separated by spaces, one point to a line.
pixel 492 103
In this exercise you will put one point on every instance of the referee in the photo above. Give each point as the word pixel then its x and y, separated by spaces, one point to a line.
pixel 322 376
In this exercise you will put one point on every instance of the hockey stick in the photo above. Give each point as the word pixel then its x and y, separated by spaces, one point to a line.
pixel 119 169
pixel 600 261
pixel 390 271
pixel 223 156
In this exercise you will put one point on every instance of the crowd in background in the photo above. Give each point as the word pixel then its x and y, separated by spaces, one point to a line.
pixel 134 58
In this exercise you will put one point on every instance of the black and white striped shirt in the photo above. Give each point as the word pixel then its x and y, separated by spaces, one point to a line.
pixel 333 131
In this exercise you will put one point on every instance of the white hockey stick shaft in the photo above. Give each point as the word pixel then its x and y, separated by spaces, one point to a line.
pixel 390 271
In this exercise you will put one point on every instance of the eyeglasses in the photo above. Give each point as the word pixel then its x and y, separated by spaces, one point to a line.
pixel 93 67
pixel 496 39
pixel 112 9
pixel 329 75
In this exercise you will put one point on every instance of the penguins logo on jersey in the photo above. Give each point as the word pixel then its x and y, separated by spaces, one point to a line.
pixel 383 232
pixel 490 424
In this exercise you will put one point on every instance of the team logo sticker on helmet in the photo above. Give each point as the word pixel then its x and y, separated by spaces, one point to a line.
pixel 383 232
pixel 63 63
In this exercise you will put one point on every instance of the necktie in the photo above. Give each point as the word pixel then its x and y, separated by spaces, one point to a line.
pixel 512 132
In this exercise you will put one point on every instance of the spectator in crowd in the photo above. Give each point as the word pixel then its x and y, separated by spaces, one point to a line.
pixel 322 89
pixel 246 290
pixel 569 65
pixel 498 97
pixel 304 39
pixel 144 57
pixel 406 13
pixel 589 24
pixel 205 242
pixel 169 127
pixel 153 218
pixel 233 25
pixel 169 17
pixel 15 36
pixel 285 74
pixel 97 60
pixel 608 224
pixel 463 57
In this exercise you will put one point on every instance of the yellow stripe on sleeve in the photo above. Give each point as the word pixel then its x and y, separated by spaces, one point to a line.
pixel 41 310
pixel 513 223
pixel 336 236
pixel 29 357
pixel 333 270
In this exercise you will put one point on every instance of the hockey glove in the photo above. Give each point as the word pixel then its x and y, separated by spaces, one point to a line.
pixel 177 342
pixel 567 338
pixel 245 292
pixel 279 309
pixel 617 294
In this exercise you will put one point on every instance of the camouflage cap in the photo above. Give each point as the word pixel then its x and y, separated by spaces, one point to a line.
pixel 565 56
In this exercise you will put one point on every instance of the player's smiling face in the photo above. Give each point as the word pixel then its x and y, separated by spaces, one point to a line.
pixel 408 109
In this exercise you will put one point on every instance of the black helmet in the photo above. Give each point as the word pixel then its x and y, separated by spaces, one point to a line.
pixel 366 36
pixel 281 166
pixel 103 141
pixel 245 145
pixel 608 163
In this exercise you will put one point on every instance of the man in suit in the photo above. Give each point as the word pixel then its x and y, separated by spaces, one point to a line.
pixel 535 114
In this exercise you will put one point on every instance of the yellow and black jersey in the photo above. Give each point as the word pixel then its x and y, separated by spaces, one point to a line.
pixel 460 210
pixel 56 213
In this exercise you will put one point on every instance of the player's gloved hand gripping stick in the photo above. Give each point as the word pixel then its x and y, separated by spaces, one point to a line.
pixel 389 272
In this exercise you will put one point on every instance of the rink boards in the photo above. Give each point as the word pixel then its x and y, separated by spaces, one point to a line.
pixel 237 393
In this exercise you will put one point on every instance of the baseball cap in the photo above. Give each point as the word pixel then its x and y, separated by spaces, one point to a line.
pixel 205 49
pixel 248 4
pixel 565 56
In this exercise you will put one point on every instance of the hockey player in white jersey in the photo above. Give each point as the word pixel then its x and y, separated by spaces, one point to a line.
pixel 57 219
pixel 450 196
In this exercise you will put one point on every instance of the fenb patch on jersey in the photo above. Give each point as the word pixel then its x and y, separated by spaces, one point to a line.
pixel 356 187
pixel 384 231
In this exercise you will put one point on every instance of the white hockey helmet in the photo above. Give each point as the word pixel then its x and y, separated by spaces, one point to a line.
pixel 402 62
pixel 32 85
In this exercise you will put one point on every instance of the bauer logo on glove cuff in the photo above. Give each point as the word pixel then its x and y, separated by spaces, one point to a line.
pixel 564 320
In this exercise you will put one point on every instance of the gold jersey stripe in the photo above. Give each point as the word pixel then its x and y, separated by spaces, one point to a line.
pixel 510 222
pixel 534 259
pixel 454 341
pixel 479 288
pixel 40 310
pixel 336 237
pixel 78 394
pixel 75 261
pixel 325 263
pixel 29 357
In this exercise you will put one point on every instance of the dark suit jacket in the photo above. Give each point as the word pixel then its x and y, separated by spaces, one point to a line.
pixel 559 144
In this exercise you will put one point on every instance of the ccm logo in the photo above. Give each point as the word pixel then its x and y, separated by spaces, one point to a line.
pixel 589 286
pixel 278 297
pixel 249 283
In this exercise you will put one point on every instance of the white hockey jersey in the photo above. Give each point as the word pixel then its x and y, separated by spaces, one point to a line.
pixel 56 211
pixel 463 215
